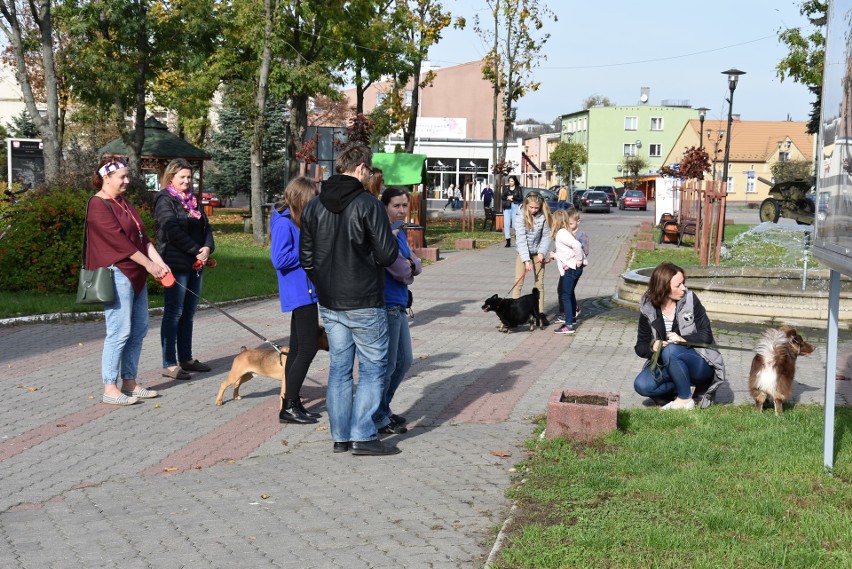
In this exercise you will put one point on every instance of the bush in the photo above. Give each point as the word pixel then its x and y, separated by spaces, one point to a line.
pixel 41 249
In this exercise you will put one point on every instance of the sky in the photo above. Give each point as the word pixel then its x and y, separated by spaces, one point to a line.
pixel 678 49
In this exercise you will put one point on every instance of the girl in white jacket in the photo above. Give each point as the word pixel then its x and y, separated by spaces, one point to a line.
pixel 570 260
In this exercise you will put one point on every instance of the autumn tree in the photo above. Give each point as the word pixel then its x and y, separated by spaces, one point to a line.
pixel 13 23
pixel 631 167
pixel 806 55
pixel 694 164
pixel 790 170
pixel 596 101
pixel 517 42
pixel 568 159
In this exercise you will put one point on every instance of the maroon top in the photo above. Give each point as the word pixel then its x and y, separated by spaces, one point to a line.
pixel 115 231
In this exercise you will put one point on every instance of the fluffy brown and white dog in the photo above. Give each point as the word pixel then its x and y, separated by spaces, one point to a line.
pixel 269 363
pixel 774 366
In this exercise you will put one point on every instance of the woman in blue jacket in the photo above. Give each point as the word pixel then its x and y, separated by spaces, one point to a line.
pixel 397 278
pixel 297 295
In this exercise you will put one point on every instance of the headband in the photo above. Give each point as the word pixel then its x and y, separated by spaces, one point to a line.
pixel 110 167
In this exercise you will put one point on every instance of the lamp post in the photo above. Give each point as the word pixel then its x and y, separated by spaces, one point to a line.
pixel 733 77
pixel 702 112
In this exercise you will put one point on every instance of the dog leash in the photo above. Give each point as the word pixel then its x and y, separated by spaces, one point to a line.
pixel 275 346
pixel 655 358
pixel 525 274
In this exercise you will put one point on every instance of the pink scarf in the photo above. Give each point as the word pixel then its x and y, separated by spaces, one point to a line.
pixel 189 202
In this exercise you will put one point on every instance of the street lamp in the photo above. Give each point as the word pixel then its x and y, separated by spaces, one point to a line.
pixel 702 112
pixel 733 77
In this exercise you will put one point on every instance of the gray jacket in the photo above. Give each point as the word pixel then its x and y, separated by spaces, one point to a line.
pixel 529 242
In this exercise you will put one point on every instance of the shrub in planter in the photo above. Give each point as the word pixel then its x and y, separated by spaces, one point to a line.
pixel 41 248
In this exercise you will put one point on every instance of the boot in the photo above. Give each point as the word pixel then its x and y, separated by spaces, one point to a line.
pixel 508 243
pixel 304 411
pixel 292 414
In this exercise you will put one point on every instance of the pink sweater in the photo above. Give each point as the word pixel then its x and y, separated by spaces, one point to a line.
pixel 569 251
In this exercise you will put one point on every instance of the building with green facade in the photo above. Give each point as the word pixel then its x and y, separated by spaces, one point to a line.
pixel 612 133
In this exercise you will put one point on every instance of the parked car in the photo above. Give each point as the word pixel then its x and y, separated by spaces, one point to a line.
pixel 609 191
pixel 548 195
pixel 578 196
pixel 633 198
pixel 594 201
pixel 210 199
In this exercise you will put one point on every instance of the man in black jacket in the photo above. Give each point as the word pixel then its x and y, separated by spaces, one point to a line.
pixel 345 243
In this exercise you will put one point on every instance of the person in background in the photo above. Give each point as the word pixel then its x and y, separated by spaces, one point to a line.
pixel 457 197
pixel 376 185
pixel 185 241
pixel 297 295
pixel 562 198
pixel 532 236
pixel 398 277
pixel 451 197
pixel 345 243
pixel 116 238
pixel 513 197
pixel 487 195
pixel 669 315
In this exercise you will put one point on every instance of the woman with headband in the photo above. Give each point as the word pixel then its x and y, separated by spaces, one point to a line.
pixel 116 238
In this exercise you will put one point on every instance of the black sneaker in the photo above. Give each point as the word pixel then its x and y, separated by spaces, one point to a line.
pixel 398 419
pixel 560 319
pixel 393 429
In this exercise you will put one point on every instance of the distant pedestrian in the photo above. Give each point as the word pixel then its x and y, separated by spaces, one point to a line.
pixel 451 197
pixel 345 243
pixel 570 261
pixel 532 236
pixel 562 198
pixel 116 238
pixel 513 196
pixel 487 195
pixel 457 197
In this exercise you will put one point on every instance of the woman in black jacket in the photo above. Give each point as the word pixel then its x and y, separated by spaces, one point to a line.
pixel 185 238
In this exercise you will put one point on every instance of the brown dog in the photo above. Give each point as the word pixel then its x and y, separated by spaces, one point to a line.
pixel 268 363
pixel 774 366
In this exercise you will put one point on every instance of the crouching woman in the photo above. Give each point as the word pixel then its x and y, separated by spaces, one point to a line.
pixel 671 315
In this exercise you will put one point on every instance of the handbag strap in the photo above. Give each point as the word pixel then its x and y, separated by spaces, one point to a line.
pixel 86 228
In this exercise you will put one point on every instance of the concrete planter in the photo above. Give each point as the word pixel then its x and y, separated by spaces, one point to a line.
pixel 581 415
pixel 465 243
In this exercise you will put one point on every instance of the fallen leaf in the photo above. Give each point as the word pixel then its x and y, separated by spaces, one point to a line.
pixel 423 357
pixel 231 460
pixel 458 526
pixel 157 406
pixel 264 496
pixel 91 396
pixel 197 467
pixel 169 469
pixel 28 388
pixel 252 538
pixel 61 425
pixel 322 428
pixel 285 442
pixel 501 453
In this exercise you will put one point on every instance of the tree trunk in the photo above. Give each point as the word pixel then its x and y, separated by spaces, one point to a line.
pixel 135 141
pixel 498 175
pixel 48 125
pixel 410 131
pixel 298 117
pixel 257 193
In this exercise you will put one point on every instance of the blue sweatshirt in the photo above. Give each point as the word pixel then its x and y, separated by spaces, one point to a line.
pixel 295 289
pixel 396 293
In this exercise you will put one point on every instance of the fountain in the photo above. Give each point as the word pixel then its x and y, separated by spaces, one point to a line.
pixel 787 293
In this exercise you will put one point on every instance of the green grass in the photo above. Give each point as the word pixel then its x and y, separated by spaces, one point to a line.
pixel 722 487
pixel 442 233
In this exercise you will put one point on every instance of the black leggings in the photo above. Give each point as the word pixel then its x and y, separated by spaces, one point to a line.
pixel 304 327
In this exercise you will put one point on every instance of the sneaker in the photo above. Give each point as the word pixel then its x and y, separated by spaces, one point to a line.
pixel 577 313
pixel 690 404
pixel 560 319
pixel 565 330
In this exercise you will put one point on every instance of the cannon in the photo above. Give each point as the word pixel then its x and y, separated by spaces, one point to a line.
pixel 790 199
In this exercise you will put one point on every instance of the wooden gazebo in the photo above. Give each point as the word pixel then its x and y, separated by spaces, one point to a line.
pixel 160 148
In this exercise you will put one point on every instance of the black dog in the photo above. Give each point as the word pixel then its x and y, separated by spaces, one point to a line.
pixel 516 311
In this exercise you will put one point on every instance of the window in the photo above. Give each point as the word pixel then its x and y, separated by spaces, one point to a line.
pixel 630 123
pixel 630 149
pixel 380 98
pixel 731 188
pixel 656 150
pixel 408 95
pixel 750 189
pixel 783 156
pixel 656 123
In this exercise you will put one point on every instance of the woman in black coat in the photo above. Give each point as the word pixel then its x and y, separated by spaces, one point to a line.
pixel 185 238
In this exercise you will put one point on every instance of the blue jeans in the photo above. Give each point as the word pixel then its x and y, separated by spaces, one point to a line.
pixel 178 313
pixel 567 296
pixel 365 332
pixel 126 327
pixel 509 218
pixel 681 368
pixel 400 357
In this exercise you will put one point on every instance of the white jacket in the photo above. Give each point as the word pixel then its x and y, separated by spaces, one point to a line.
pixel 569 251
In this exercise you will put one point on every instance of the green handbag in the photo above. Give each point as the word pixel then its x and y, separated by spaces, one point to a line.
pixel 97 286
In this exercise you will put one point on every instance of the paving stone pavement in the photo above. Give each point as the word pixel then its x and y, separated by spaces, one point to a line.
pixel 179 482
